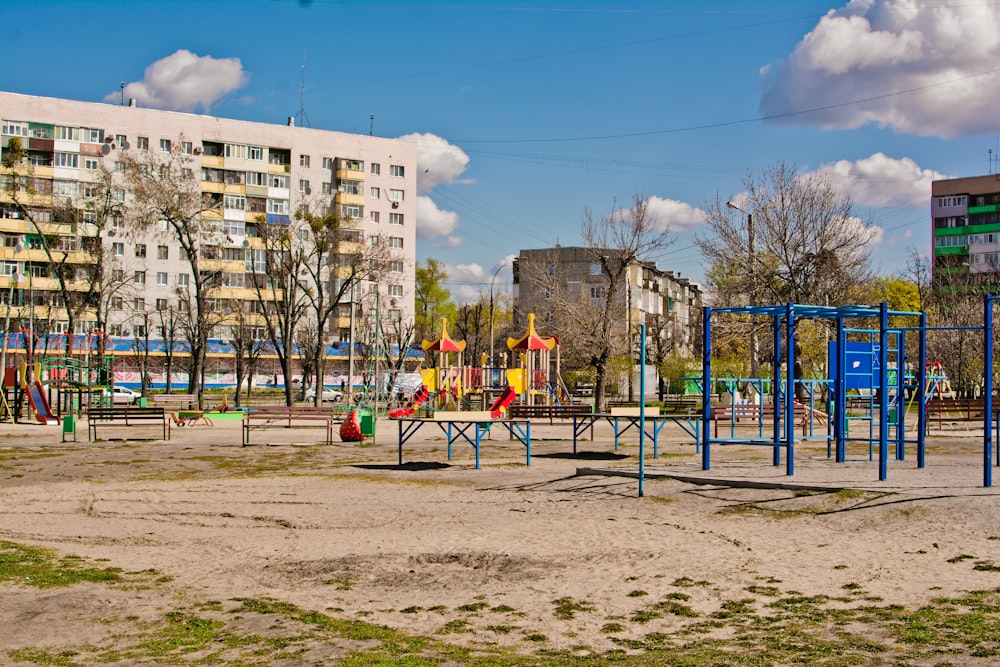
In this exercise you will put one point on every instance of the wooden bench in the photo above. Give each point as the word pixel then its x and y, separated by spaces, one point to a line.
pixel 296 416
pixel 127 416
pixel 748 412
pixel 176 401
pixel 550 412
pixel 957 409
pixel 686 405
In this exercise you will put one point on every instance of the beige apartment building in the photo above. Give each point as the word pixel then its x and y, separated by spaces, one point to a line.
pixel 668 304
pixel 253 175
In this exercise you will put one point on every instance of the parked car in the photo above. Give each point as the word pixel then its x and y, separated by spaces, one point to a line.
pixel 330 395
pixel 123 395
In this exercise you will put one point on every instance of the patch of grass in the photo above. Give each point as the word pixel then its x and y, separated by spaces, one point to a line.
pixel 535 637
pixel 457 626
pixel 473 607
pixel 769 591
pixel 986 566
pixel 612 628
pixel 637 594
pixel 501 629
pixel 41 568
pixel 567 608
pixel 687 582
pixel 341 583
pixel 959 558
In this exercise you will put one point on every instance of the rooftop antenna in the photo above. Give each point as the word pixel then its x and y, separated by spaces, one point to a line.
pixel 371 130
pixel 301 118
pixel 990 151
pixel 123 94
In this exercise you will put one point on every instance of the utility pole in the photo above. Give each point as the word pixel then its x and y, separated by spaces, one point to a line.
pixel 751 268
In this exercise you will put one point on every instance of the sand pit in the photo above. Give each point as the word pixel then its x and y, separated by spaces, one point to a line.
pixel 298 553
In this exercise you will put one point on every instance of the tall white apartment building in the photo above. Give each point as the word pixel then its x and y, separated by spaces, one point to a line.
pixel 256 173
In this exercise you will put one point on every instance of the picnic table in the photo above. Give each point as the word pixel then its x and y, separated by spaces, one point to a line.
pixel 470 426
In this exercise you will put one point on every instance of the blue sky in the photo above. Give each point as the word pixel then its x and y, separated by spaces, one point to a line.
pixel 530 112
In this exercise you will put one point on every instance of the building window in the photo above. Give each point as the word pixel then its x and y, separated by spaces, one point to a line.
pixel 376 193
pixel 161 278
pixel 373 216
pixel 276 181
pixel 140 249
pixel 595 269
pixel 90 190
pixel 257 178
pixel 237 202
pixel 117 303
pixel 142 143
pixel 328 163
pixel 396 170
pixel 186 147
pixel 183 279
pixel 92 136
pixel 304 186
pixel 327 188
pixel 238 151
pixel 277 206
pixel 90 163
pixel 161 304
pixel 162 252
pixel 255 152
pixel 121 140
pixel 139 278
pixel 376 169
pixel 395 218
pixel 349 211
pixel 395 196
pixel 395 290
pixel 66 160
pixel 164 145
pixel 68 133
pixel 118 249
pixel 396 266
pixel 396 242
pixel 303 160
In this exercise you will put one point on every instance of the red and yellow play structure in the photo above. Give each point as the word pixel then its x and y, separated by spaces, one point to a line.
pixel 450 384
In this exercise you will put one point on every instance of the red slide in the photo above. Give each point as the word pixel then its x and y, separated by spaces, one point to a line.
pixel 503 400
pixel 418 397
pixel 40 405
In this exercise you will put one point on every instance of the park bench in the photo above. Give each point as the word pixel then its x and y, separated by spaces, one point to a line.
pixel 128 417
pixel 752 414
pixel 176 401
pixel 296 416
pixel 957 409
pixel 686 405
pixel 550 412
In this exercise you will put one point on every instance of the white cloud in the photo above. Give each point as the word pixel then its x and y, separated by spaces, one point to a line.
pixel 880 180
pixel 869 49
pixel 450 242
pixel 673 215
pixel 465 281
pixel 432 222
pixel 468 282
pixel 184 81
pixel 438 162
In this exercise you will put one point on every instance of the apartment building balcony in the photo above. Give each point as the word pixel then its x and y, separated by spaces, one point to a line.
pixel 273 168
pixel 344 198
pixel 342 173
pixel 213 187
pixel 991 208
pixel 216 161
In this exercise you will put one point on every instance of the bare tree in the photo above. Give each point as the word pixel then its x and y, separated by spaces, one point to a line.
pixel 274 270
pixel 69 232
pixel 247 348
pixel 793 238
pixel 335 261
pixel 169 332
pixel 589 312
pixel 164 190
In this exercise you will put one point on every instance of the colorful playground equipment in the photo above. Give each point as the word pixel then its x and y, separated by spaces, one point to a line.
pixel 452 385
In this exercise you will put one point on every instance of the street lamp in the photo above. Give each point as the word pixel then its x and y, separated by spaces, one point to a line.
pixel 495 273
pixel 753 285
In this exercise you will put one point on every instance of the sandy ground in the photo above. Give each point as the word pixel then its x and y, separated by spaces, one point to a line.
pixel 346 530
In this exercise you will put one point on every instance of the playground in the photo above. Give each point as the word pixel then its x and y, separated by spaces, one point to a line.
pixel 521 559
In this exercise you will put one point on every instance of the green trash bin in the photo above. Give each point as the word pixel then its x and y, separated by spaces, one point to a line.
pixel 69 426
pixel 142 402
pixel 368 425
